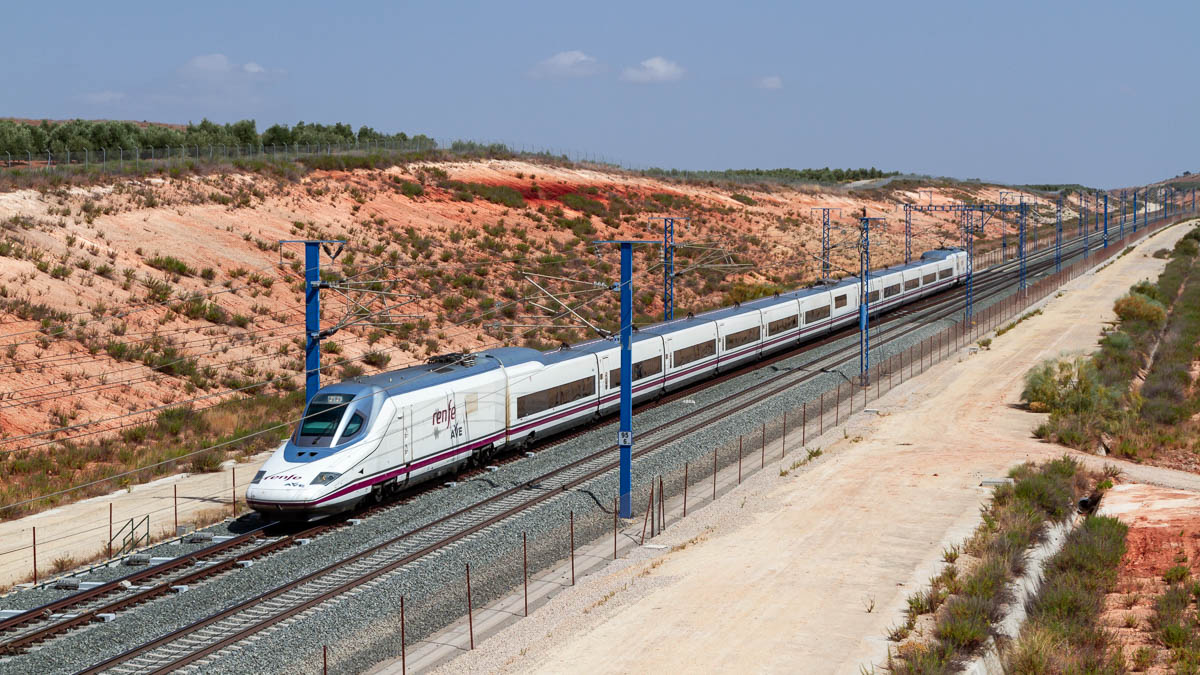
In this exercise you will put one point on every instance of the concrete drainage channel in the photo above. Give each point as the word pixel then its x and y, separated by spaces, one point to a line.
pixel 1021 591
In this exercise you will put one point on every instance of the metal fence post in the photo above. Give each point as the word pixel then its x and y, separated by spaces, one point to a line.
pixel 525 567
pixel 572 554
pixel 470 617
pixel 685 487
pixel 783 439
pixel 646 520
pixel 110 528
pixel 403 659
pixel 614 528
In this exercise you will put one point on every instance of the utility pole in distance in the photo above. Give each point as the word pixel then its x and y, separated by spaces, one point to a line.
pixel 825 265
pixel 669 265
pixel 1003 226
pixel 625 434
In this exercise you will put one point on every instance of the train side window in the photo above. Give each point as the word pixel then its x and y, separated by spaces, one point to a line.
pixel 694 353
pixel 839 300
pixel 945 274
pixel 354 426
pixel 874 297
pixel 911 284
pixel 742 337
pixel 781 325
pixel 641 370
pixel 532 404
pixel 929 278
pixel 816 314
pixel 894 289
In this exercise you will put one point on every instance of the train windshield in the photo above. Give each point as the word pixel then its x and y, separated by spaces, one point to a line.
pixel 323 417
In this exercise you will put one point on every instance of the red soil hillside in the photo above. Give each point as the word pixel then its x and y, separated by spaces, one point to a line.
pixel 121 297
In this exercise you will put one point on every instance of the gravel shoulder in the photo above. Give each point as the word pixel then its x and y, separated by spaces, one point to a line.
pixel 805 573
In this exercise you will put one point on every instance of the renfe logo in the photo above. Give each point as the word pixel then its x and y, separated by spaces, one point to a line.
pixel 290 477
pixel 447 418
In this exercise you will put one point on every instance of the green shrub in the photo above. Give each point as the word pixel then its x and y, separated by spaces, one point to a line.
pixel 376 359
pixel 966 623
pixel 583 204
pixel 1175 574
pixel 743 199
pixel 171 264
pixel 1138 307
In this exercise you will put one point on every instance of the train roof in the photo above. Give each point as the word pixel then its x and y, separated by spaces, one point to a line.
pixel 598 345
pixel 443 370
pixel 452 367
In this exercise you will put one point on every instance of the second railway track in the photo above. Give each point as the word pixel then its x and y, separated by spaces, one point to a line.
pixel 232 625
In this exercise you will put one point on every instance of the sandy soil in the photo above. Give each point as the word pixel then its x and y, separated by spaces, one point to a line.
pixel 1164 531
pixel 231 223
pixel 79 531
pixel 811 570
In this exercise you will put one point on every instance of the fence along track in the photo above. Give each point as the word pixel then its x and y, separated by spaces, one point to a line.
pixel 212 634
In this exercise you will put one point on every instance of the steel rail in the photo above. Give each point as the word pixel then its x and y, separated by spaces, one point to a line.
pixel 570 475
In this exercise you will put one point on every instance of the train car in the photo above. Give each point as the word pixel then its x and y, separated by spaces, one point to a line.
pixel 649 372
pixel 739 335
pixel 816 312
pixel 845 295
pixel 689 348
pixel 559 394
pixel 780 319
pixel 362 439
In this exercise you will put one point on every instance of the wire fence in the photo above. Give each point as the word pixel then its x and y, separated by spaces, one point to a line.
pixel 780 444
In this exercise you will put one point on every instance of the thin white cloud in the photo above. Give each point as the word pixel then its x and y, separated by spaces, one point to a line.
pixel 215 85
pixel 219 68
pixel 572 63
pixel 769 82
pixel 103 97
pixel 653 70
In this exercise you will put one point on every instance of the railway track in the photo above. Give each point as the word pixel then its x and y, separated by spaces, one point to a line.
pixel 28 629
pixel 208 636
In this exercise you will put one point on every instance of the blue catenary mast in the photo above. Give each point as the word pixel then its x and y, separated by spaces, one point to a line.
pixel 625 429
pixel 312 319
pixel 668 269
pixel 1021 221
pixel 1058 238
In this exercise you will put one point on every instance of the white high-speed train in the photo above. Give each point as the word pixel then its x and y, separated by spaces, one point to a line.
pixel 371 436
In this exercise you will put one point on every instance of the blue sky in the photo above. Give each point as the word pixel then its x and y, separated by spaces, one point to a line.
pixel 1093 92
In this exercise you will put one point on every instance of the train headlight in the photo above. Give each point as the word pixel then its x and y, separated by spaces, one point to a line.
pixel 325 478
pixel 258 477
